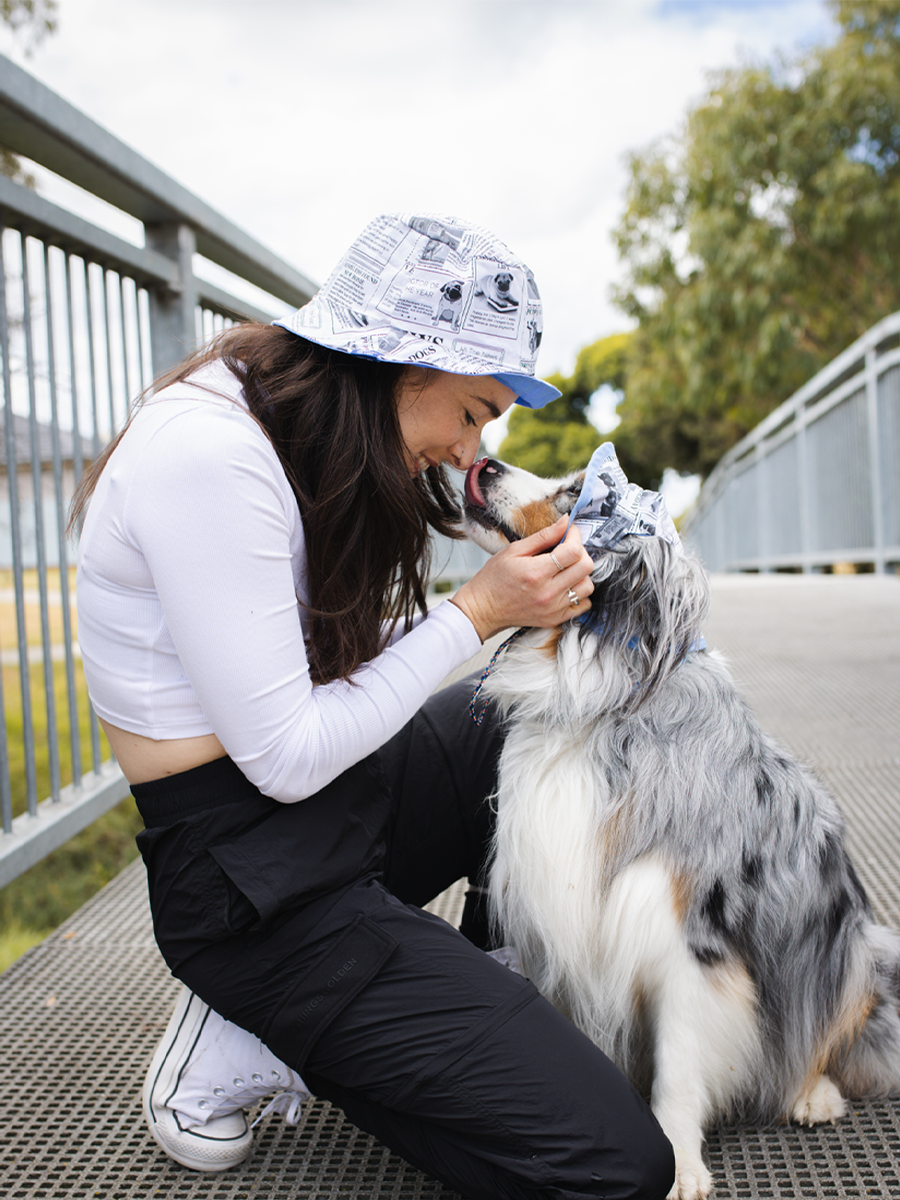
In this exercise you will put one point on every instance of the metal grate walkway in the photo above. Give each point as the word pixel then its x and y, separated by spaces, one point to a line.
pixel 80 1015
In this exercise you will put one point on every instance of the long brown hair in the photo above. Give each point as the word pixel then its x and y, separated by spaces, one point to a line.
pixel 332 419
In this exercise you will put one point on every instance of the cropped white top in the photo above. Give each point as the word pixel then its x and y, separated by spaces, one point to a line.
pixel 190 566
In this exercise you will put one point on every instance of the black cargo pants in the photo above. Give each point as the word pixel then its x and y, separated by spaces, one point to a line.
pixel 299 923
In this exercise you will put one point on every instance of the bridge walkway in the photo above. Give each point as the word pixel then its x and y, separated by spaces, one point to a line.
pixel 80 1015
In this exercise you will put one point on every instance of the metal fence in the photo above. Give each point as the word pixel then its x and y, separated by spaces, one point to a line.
pixel 816 484
pixel 87 319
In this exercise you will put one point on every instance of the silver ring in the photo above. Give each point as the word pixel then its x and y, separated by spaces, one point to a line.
pixel 556 562
pixel 573 598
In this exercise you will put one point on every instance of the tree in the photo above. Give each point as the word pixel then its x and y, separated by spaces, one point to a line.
pixel 761 242
pixel 554 440
pixel 34 19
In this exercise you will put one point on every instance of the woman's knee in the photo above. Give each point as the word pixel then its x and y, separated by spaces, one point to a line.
pixel 641 1166
pixel 654 1166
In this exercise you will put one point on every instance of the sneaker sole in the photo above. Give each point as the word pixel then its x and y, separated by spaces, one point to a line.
pixel 193 1148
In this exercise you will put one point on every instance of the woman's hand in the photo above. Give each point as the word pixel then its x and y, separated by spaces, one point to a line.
pixel 523 584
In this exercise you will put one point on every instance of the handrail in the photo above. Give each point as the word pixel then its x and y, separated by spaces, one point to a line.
pixel 815 484
pixel 39 124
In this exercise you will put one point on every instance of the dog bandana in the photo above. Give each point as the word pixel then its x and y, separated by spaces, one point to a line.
pixel 609 507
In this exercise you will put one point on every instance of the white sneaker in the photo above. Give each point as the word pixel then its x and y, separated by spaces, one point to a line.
pixel 204 1073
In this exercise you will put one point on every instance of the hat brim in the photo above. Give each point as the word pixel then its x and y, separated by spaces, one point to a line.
pixel 530 392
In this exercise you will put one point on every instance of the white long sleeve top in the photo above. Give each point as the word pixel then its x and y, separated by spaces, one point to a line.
pixel 190 566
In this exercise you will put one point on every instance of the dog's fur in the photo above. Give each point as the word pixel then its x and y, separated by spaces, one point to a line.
pixel 671 879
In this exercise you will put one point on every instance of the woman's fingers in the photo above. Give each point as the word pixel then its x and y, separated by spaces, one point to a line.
pixel 540 580
pixel 570 562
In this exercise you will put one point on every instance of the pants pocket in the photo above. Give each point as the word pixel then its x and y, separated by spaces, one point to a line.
pixel 339 975
pixel 298 852
pixel 191 901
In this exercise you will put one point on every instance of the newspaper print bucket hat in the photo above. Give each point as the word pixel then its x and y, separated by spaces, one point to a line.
pixel 432 291
pixel 609 507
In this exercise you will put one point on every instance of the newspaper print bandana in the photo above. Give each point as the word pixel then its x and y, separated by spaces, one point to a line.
pixel 433 291
pixel 610 507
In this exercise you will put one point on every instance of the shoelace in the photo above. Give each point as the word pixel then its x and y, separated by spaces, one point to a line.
pixel 289 1104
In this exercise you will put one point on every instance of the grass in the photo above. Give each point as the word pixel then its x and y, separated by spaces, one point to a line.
pixel 42 898
pixel 15 729
pixel 38 901
pixel 8 627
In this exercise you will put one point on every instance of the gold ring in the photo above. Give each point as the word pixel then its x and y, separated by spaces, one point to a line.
pixel 556 562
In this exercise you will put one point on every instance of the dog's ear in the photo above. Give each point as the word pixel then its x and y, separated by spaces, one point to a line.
pixel 649 603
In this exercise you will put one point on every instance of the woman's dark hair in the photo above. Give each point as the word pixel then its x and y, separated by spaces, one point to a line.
pixel 332 418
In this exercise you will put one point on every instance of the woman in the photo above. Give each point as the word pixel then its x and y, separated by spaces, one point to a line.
pixel 252 617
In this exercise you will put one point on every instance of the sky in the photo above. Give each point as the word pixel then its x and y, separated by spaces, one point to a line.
pixel 300 120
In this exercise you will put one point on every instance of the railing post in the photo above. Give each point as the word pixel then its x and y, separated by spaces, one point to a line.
pixel 803 471
pixel 173 330
pixel 877 495
pixel 764 513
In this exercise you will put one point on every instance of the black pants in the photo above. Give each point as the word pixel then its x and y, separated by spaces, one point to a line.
pixel 298 922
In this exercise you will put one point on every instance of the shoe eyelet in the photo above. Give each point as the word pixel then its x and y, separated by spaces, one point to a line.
pixel 203 1104
pixel 218 1091
pixel 276 1074
pixel 256 1078
pixel 238 1082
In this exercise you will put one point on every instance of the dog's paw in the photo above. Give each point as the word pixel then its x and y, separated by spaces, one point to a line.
pixel 692 1180
pixel 819 1103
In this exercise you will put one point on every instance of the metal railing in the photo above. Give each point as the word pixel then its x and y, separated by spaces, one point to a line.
pixel 87 319
pixel 817 483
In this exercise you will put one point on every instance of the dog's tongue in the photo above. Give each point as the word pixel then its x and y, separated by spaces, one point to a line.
pixel 473 491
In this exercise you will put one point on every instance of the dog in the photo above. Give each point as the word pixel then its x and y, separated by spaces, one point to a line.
pixel 670 878
pixel 497 290
pixel 450 304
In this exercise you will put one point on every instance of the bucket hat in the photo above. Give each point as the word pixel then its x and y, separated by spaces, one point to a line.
pixel 432 291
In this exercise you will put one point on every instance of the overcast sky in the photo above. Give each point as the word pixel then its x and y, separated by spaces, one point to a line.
pixel 302 119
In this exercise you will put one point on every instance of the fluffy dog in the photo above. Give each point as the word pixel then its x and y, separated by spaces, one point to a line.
pixel 671 879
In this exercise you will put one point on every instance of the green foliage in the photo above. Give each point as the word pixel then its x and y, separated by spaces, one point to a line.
pixel 46 895
pixel 548 448
pixel 557 439
pixel 15 939
pixel 34 19
pixel 15 730
pixel 59 884
pixel 760 242
pixel 602 362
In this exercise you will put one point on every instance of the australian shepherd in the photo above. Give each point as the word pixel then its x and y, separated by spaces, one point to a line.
pixel 670 877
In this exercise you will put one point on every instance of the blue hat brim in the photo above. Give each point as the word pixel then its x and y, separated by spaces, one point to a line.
pixel 530 392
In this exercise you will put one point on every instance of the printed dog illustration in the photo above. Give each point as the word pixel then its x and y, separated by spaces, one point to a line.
pixel 449 306
pixel 497 290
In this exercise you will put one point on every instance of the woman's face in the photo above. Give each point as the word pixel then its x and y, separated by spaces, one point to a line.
pixel 442 415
